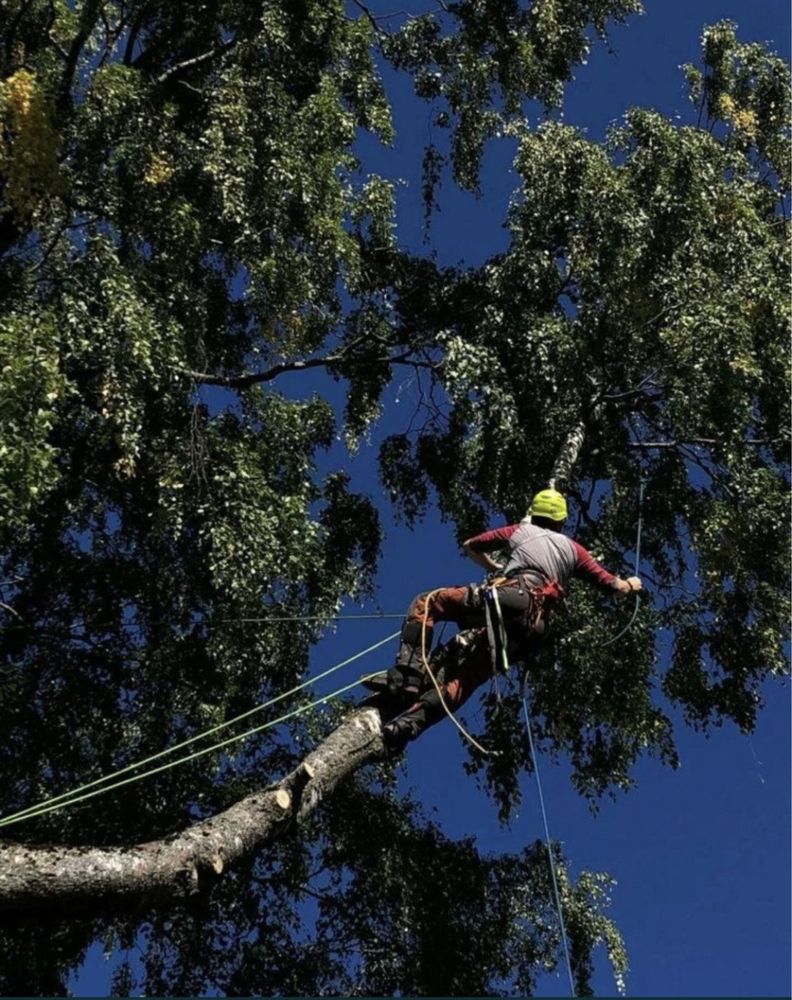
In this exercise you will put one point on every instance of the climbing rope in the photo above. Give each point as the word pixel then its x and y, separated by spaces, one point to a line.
pixel 535 763
pixel 73 796
pixel 430 672
pixel 548 842
pixel 629 624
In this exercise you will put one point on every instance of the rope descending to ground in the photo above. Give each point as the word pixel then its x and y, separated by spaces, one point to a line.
pixel 535 763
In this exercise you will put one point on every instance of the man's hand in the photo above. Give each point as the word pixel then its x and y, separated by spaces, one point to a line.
pixel 482 559
pixel 631 585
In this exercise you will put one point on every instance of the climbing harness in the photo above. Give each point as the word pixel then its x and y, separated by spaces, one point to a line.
pixel 73 796
pixel 495 641
pixel 629 624
pixel 531 613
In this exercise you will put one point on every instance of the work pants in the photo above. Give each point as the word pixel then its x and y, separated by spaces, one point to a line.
pixel 465 662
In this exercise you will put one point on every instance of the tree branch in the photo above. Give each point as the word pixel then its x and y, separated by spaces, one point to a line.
pixel 10 610
pixel 253 378
pixel 698 441
pixel 197 60
pixel 134 31
pixel 95 879
pixel 371 19
pixel 12 27
pixel 570 450
pixel 88 19
pixel 55 240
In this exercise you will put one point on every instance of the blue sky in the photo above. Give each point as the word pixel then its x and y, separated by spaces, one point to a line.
pixel 701 855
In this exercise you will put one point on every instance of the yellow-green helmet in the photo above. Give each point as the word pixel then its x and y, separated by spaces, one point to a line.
pixel 549 504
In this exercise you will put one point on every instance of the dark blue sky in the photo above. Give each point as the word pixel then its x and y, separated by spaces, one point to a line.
pixel 701 855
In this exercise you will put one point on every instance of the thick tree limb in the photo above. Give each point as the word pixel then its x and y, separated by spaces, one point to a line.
pixel 88 19
pixel 207 56
pixel 570 450
pixel 568 455
pixel 92 879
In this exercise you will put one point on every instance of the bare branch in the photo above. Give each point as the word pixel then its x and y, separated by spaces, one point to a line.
pixel 254 378
pixel 55 240
pixel 698 441
pixel 372 20
pixel 218 50
pixel 646 383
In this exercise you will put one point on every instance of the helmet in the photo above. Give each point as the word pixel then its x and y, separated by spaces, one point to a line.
pixel 549 504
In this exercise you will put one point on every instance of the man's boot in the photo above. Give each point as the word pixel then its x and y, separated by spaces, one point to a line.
pixel 409 726
pixel 406 678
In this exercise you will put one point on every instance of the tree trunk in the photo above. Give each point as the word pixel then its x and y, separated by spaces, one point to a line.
pixel 85 879
pixel 567 456
pixel 570 449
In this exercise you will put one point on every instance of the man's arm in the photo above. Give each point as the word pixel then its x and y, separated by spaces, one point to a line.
pixel 588 568
pixel 479 546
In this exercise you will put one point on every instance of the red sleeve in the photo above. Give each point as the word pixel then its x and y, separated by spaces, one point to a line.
pixel 587 567
pixel 494 539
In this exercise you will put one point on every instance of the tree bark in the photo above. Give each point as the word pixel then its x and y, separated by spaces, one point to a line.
pixel 568 455
pixel 570 450
pixel 93 879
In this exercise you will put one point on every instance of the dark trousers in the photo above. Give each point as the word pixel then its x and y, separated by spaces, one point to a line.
pixel 465 663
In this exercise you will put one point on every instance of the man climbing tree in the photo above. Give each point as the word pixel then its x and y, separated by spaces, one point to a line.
pixel 533 579
pixel 204 297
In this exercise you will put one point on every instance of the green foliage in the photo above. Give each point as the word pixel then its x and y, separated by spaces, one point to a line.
pixel 182 206
pixel 496 55
pixel 32 386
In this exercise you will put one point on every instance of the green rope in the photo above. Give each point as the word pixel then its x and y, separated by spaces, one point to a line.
pixel 57 801
pixel 211 623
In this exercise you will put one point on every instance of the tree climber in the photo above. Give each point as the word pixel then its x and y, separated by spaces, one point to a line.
pixel 540 563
